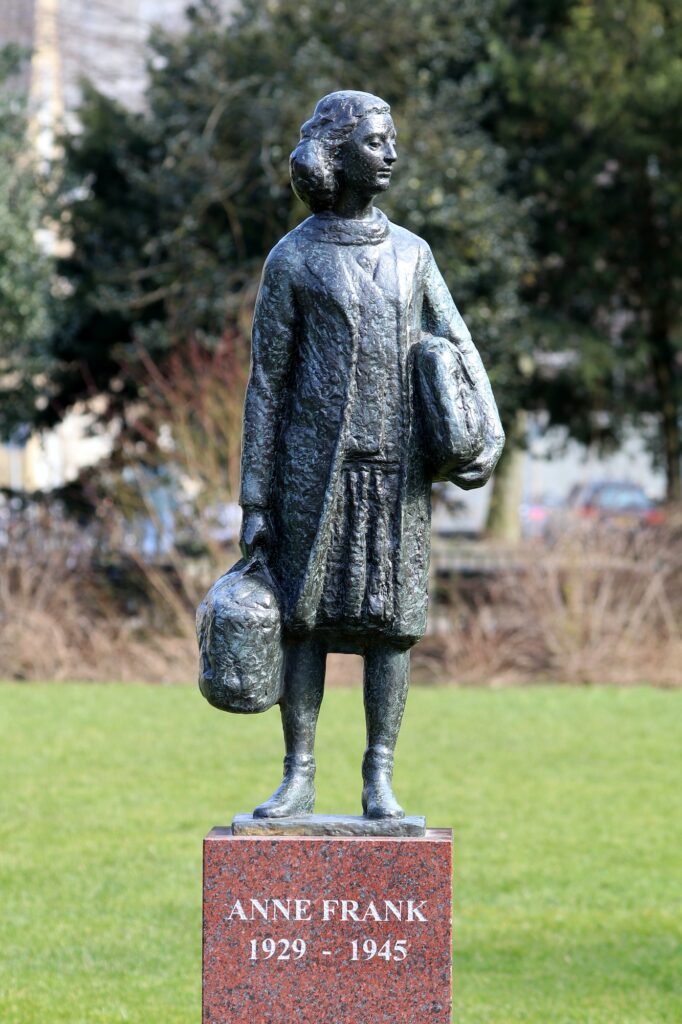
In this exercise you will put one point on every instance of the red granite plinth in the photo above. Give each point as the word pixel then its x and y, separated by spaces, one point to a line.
pixel 327 930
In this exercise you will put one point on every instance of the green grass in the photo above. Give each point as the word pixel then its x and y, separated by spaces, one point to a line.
pixel 567 807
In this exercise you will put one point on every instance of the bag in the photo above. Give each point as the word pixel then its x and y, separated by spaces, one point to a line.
pixel 240 640
pixel 450 416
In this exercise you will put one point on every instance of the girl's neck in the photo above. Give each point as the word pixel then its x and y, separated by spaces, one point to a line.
pixel 354 207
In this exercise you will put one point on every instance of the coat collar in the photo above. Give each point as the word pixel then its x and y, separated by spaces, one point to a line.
pixel 327 227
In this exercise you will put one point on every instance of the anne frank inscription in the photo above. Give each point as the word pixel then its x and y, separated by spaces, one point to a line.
pixel 279 910
pixel 327 930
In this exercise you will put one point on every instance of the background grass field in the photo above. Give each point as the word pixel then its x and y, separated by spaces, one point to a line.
pixel 567 808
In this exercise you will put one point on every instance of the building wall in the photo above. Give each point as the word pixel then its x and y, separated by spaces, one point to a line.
pixel 102 40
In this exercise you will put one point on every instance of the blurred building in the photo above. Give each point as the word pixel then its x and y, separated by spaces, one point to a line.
pixel 69 40
pixel 101 40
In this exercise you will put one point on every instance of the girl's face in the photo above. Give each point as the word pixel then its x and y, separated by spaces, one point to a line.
pixel 366 159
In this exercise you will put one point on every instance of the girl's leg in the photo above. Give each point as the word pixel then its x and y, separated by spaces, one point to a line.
pixel 387 676
pixel 303 688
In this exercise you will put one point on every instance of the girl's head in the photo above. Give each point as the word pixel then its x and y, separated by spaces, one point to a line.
pixel 349 141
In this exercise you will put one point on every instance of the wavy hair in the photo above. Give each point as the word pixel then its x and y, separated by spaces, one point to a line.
pixel 311 165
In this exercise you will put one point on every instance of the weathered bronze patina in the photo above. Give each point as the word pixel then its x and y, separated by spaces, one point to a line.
pixel 365 387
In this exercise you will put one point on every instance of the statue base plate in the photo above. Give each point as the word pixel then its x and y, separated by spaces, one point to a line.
pixel 327 825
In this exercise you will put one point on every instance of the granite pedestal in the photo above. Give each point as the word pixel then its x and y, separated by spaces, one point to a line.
pixel 318 929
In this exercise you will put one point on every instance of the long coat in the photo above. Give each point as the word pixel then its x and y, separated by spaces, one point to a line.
pixel 307 331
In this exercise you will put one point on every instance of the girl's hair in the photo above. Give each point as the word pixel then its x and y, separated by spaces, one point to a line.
pixel 311 164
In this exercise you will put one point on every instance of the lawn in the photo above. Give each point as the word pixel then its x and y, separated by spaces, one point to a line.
pixel 566 805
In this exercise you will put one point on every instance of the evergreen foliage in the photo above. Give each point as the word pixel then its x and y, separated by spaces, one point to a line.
pixel 588 102
pixel 24 270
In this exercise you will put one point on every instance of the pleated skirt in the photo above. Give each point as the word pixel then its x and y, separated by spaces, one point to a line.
pixel 358 595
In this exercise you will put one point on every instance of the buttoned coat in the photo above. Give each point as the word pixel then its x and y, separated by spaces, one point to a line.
pixel 307 328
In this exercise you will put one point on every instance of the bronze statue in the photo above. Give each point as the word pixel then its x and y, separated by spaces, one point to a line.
pixel 365 386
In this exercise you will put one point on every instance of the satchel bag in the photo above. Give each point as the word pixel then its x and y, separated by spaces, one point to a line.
pixel 240 640
pixel 448 409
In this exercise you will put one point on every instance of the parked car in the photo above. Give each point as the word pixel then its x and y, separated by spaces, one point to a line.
pixel 619 503
pixel 615 504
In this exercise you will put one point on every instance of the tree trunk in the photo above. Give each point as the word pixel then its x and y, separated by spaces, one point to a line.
pixel 663 365
pixel 657 297
pixel 504 522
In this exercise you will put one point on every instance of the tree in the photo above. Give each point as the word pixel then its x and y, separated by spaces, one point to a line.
pixel 24 268
pixel 588 102
pixel 170 213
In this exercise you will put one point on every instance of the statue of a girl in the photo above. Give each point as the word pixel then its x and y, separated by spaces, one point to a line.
pixel 335 483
